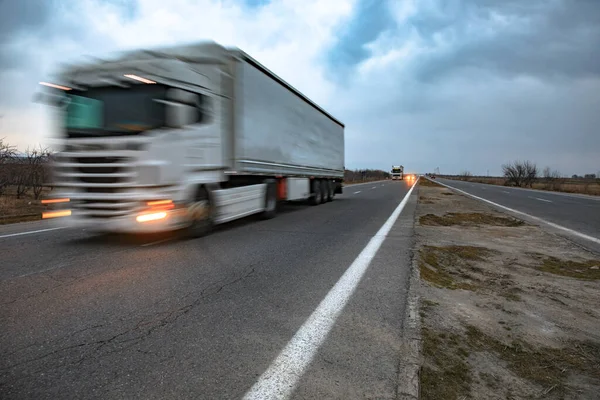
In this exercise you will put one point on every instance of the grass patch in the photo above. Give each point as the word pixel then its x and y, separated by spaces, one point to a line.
pixel 448 194
pixel 511 294
pixel 428 183
pixel 435 261
pixel 426 200
pixel 447 374
pixel 19 210
pixel 587 270
pixel 547 367
pixel 468 219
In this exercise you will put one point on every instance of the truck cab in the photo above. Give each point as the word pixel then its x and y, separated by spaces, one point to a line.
pixel 397 172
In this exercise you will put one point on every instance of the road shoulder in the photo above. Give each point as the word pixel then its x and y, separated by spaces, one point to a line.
pixel 508 310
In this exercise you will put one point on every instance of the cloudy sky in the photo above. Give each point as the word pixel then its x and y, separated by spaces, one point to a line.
pixel 454 84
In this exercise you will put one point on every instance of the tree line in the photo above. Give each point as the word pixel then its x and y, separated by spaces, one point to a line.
pixel 360 175
pixel 526 173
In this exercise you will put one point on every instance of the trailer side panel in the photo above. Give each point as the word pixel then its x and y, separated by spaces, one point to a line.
pixel 278 132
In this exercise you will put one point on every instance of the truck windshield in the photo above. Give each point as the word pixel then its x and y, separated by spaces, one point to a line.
pixel 109 111
pixel 396 171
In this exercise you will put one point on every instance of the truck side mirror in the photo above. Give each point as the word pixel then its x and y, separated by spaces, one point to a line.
pixel 181 108
pixel 176 115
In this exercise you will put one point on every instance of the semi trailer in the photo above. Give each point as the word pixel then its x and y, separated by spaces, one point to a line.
pixel 183 138
pixel 397 172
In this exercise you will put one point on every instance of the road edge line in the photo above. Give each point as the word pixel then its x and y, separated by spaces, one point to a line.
pixel 552 224
pixel 285 372
pixel 30 232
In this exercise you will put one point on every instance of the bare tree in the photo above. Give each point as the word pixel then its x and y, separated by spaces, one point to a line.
pixel 7 155
pixel 552 178
pixel 520 173
pixel 37 169
pixel 465 175
pixel 20 176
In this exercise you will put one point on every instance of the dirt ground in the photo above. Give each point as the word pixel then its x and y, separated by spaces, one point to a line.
pixel 508 311
pixel 27 208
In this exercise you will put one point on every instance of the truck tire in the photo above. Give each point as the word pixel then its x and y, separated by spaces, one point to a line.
pixel 317 193
pixel 202 227
pixel 330 190
pixel 324 191
pixel 270 200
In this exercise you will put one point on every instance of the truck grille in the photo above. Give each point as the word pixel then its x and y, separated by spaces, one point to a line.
pixel 99 182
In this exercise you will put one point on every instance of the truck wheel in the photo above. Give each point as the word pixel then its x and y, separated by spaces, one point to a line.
pixel 270 200
pixel 324 191
pixel 317 196
pixel 202 214
pixel 330 191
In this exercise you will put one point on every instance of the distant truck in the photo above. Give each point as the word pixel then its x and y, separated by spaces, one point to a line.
pixel 185 138
pixel 397 172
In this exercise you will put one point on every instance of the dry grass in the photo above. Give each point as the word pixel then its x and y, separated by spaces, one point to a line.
pixel 14 210
pixel 427 182
pixel 468 219
pixel 546 366
pixel 426 200
pixel 435 262
pixel 448 375
pixel 586 270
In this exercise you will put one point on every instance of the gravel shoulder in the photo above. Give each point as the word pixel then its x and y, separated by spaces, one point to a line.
pixel 508 311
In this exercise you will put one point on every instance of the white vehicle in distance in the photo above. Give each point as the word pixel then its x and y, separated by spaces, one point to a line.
pixel 397 172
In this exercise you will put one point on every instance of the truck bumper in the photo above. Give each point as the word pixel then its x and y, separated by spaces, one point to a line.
pixel 174 220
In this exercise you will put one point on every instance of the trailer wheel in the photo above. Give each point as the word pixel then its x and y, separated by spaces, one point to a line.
pixel 270 200
pixel 317 193
pixel 330 192
pixel 324 191
pixel 203 203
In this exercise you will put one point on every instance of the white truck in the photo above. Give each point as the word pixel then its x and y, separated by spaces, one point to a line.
pixel 397 172
pixel 184 138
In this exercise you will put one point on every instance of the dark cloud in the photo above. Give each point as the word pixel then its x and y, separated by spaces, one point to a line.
pixel 539 38
pixel 17 16
pixel 370 19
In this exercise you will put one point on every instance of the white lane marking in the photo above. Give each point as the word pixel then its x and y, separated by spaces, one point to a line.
pixel 357 192
pixel 552 224
pixel 38 272
pixel 374 187
pixel 284 373
pixel 537 198
pixel 506 191
pixel 156 242
pixel 363 183
pixel 31 232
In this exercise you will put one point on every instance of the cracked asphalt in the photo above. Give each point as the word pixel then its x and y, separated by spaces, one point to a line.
pixel 88 316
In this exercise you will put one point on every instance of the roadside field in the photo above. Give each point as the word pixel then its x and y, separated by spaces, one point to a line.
pixel 508 311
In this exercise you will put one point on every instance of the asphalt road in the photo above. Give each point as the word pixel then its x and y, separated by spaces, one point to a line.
pixel 86 316
pixel 578 213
